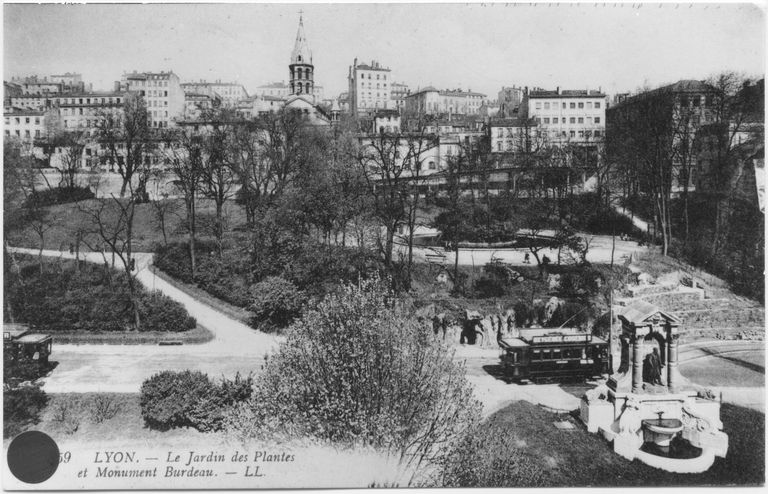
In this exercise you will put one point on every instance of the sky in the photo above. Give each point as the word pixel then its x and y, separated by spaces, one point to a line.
pixel 615 47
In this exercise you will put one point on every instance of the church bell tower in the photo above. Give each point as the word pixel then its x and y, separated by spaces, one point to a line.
pixel 302 75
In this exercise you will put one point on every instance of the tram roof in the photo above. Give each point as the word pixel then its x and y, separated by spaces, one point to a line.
pixel 33 338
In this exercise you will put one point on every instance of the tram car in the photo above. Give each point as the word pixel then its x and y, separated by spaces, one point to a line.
pixel 19 343
pixel 553 353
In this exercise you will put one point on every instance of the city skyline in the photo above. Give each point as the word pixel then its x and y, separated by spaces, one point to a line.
pixel 480 47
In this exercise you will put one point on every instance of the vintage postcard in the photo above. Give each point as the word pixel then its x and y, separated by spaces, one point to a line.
pixel 265 245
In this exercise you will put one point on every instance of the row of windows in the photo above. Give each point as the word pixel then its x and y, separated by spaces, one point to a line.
pixel 571 134
pixel 89 101
pixel 362 85
pixel 157 93
pixel 573 105
pixel 26 133
pixel 571 120
pixel 152 82
pixel 154 103
pixel 383 76
pixel 18 120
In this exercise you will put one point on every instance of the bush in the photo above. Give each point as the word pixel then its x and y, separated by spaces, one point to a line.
pixel 357 370
pixel 161 313
pixel 58 195
pixel 102 408
pixel 89 298
pixel 21 408
pixel 275 301
pixel 488 287
pixel 489 457
pixel 189 399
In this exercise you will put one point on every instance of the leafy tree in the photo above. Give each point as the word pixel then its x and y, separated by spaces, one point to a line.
pixel 357 370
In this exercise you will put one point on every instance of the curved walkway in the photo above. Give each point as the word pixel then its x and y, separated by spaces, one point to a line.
pixel 122 368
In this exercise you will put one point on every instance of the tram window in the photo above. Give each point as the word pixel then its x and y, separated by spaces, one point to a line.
pixel 556 354
pixel 536 354
pixel 546 355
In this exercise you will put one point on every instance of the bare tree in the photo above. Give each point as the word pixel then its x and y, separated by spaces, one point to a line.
pixel 127 138
pixel 183 150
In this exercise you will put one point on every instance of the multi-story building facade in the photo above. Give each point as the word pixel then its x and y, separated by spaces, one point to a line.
pixel 162 93
pixel 431 101
pixel 24 125
pixel 569 116
pixel 65 83
pixel 230 93
pixel 370 88
pixel 509 101
pixel 682 108
pixel 399 92
pixel 83 112
pixel 195 104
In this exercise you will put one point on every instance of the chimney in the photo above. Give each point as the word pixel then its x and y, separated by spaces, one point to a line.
pixel 558 89
pixel 117 86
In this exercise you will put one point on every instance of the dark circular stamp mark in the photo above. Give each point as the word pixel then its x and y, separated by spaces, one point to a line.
pixel 33 457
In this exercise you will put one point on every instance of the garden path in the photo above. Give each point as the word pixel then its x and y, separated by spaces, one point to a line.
pixel 122 368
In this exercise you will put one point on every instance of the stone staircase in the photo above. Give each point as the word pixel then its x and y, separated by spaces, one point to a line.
pixel 707 312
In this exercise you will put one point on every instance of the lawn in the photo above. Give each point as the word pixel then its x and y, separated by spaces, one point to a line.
pixel 577 458
pixel 91 418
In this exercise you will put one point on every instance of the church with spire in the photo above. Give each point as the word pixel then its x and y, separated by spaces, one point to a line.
pixel 302 80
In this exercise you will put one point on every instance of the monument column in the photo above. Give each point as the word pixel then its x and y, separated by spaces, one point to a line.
pixel 637 362
pixel 671 361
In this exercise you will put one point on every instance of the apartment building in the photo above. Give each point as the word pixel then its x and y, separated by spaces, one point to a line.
pixel 370 88
pixel 432 101
pixel 569 116
pixel 162 93
pixel 230 93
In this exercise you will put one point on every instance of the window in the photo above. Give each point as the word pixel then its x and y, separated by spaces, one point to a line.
pixel 432 165
pixel 564 105
pixel 498 145
pixel 597 104
pixel 581 104
pixel 573 133
pixel 573 120
pixel 581 133
pixel 573 105
pixel 546 106
pixel 597 120
pixel 554 120
pixel 18 120
pixel 538 105
pixel 26 120
pixel 26 133
pixel 581 120
pixel 589 105
pixel 546 120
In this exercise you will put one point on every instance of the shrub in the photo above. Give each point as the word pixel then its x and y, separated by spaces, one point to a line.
pixel 489 286
pixel 21 408
pixel 102 408
pixel 356 369
pixel 189 399
pixel 160 313
pixel 58 195
pixel 489 457
pixel 90 298
pixel 275 301
pixel 66 414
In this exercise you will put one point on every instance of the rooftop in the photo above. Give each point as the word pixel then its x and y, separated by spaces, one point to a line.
pixel 566 93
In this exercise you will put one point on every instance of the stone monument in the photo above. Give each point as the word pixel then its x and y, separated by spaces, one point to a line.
pixel 649 411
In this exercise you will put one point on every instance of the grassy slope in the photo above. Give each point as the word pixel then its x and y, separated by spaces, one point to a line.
pixel 577 458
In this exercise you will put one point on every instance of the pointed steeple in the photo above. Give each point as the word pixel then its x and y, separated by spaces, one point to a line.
pixel 301 52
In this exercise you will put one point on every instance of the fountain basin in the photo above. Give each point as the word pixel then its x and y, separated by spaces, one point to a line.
pixel 662 430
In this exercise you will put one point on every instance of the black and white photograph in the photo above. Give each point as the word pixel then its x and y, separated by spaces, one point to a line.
pixel 383 245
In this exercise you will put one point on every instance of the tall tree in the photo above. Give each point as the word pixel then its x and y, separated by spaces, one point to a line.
pixel 183 149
